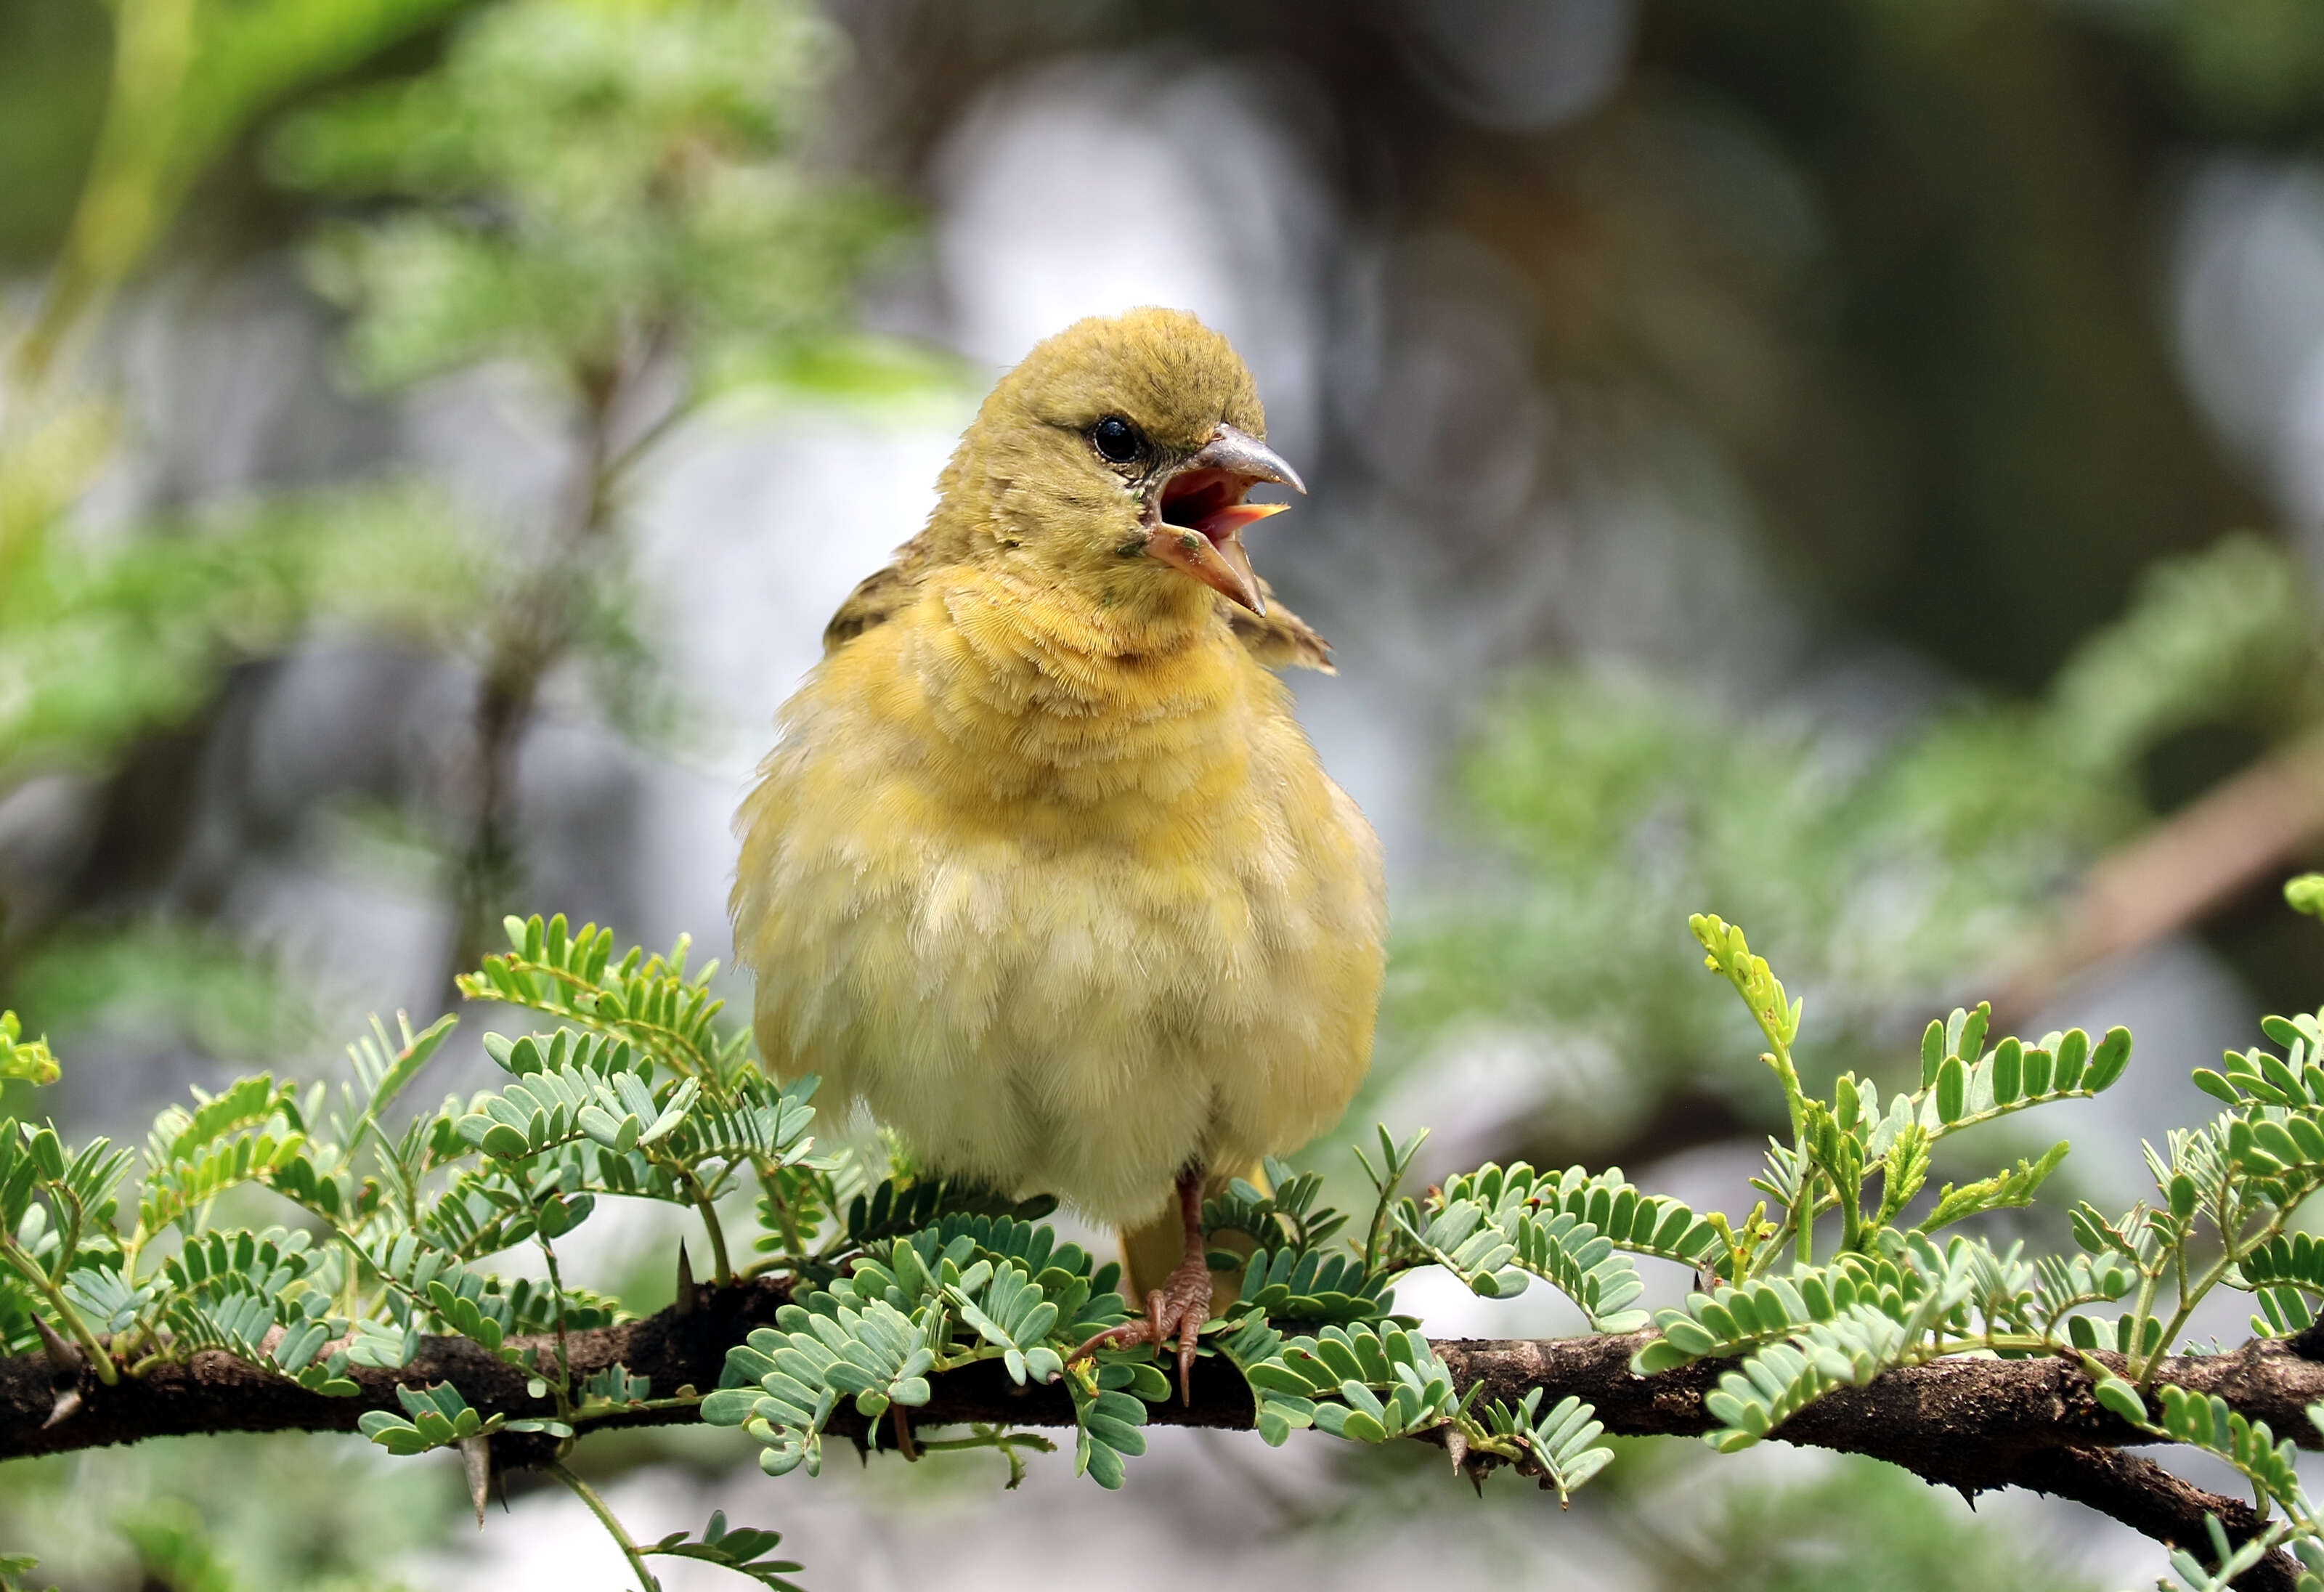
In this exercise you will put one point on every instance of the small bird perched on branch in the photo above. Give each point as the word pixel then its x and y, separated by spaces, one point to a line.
pixel 1043 869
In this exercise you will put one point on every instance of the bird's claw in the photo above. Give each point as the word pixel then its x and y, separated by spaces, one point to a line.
pixel 1176 1310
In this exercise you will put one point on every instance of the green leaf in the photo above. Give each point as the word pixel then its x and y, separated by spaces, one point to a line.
pixel 434 1418
pixel 2216 1086
pixel 743 1550
pixel 1562 1446
pixel 245 1135
pixel 2182 1196
pixel 2206 1421
pixel 828 1349
pixel 1107 1434
pixel 2121 1397
pixel 1010 1312
pixel 29 1061
pixel 1300 1286
pixel 647 1001
pixel 2073 1049
pixel 730 1406
pixel 1952 1091
pixel 2108 1062
pixel 2306 894
pixel 2002 1191
pixel 2007 1070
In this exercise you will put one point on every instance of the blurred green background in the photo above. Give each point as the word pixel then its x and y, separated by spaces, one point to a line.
pixel 1853 465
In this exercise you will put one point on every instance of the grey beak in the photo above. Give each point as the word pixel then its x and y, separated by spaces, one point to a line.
pixel 1241 454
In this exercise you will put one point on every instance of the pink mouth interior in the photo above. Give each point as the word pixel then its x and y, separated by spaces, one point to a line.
pixel 1200 500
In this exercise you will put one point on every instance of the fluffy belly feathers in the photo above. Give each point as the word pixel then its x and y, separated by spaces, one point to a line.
pixel 1078 998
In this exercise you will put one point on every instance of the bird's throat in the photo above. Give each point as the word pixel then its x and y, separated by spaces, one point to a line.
pixel 1085 702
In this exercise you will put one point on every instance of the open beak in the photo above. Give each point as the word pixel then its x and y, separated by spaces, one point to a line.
pixel 1195 519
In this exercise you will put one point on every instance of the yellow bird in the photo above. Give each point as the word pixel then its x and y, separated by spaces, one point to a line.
pixel 1043 870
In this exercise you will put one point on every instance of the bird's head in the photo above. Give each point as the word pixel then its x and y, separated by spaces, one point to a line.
pixel 1117 454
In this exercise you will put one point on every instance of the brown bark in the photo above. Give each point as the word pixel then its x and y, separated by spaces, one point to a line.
pixel 1974 1425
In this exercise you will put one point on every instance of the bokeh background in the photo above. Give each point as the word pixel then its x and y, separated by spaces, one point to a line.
pixel 1853 465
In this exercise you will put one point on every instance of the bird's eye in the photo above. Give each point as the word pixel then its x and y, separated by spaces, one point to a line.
pixel 1116 439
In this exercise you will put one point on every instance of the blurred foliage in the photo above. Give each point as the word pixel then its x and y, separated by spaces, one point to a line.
pixel 187 77
pixel 611 194
pixel 169 983
pixel 1900 869
pixel 101 641
pixel 1964 380
pixel 2245 68
pixel 107 637
pixel 1860 1526
pixel 226 1514
pixel 52 63
pixel 589 178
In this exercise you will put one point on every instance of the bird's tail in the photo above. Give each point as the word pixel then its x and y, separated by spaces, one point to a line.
pixel 1152 1250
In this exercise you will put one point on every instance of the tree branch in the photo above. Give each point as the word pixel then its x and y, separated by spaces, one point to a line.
pixel 1973 1424
pixel 2175 874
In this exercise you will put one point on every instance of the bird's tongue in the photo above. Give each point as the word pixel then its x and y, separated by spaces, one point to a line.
pixel 1226 524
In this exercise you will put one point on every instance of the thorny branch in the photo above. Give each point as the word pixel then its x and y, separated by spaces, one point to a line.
pixel 1973 1424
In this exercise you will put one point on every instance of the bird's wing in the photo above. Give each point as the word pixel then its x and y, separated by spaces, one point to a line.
pixel 890 591
pixel 869 604
pixel 1281 639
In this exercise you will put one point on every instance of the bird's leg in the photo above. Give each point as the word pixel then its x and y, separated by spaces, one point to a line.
pixel 1181 1305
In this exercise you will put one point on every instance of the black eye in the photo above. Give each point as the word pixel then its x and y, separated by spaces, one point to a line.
pixel 1116 439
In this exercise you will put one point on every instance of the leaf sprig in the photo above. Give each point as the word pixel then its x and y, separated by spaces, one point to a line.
pixel 898 1279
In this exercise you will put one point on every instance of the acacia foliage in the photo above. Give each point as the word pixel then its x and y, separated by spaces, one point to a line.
pixel 385 1224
